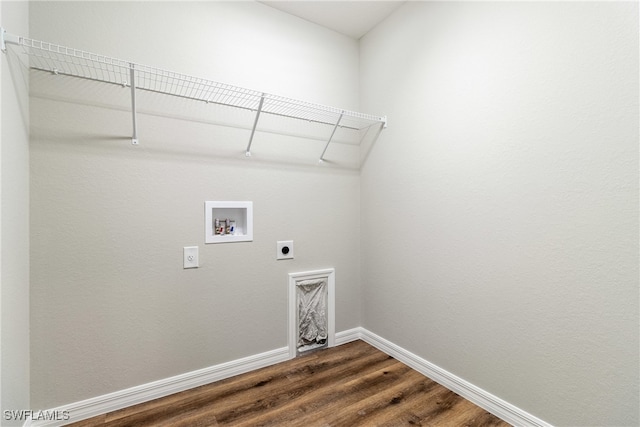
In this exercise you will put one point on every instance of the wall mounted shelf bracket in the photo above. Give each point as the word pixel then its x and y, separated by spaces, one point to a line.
pixel 331 137
pixel 255 123
pixel 132 74
pixel 7 38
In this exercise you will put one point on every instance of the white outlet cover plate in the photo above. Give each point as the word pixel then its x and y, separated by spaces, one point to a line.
pixel 190 257
pixel 280 249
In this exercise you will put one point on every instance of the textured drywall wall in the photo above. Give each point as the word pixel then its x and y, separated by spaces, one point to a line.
pixel 111 306
pixel 500 207
pixel 14 214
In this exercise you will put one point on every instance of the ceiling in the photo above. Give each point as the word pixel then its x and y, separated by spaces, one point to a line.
pixel 351 18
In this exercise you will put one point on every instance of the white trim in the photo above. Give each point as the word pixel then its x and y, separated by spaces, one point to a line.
pixel 154 390
pixel 349 335
pixel 330 275
pixel 478 396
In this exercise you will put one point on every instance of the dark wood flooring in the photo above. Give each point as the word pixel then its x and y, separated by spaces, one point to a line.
pixel 350 385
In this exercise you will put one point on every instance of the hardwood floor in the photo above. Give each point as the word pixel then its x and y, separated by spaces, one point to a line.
pixel 350 385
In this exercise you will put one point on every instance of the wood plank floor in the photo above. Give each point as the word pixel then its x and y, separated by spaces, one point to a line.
pixel 350 385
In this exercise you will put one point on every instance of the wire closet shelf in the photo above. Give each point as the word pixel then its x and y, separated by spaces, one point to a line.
pixel 68 61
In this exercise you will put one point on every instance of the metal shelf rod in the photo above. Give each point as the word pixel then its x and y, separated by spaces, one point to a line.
pixel 331 137
pixel 255 123
pixel 132 73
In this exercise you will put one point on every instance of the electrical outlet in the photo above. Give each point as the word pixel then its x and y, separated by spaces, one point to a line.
pixel 284 249
pixel 190 257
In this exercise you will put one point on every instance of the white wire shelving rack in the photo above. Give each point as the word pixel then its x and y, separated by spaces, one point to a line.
pixel 68 61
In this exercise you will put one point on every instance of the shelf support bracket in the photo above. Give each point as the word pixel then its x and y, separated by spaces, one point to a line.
pixel 331 137
pixel 132 77
pixel 255 123
pixel 7 38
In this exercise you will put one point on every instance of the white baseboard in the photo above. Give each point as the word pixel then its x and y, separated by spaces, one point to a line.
pixel 348 336
pixel 146 392
pixel 154 390
pixel 478 396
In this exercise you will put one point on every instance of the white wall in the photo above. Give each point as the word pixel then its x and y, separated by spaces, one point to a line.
pixel 499 209
pixel 14 214
pixel 505 191
pixel 111 306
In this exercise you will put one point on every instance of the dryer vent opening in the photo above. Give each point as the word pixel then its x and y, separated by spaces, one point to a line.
pixel 311 296
pixel 311 311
